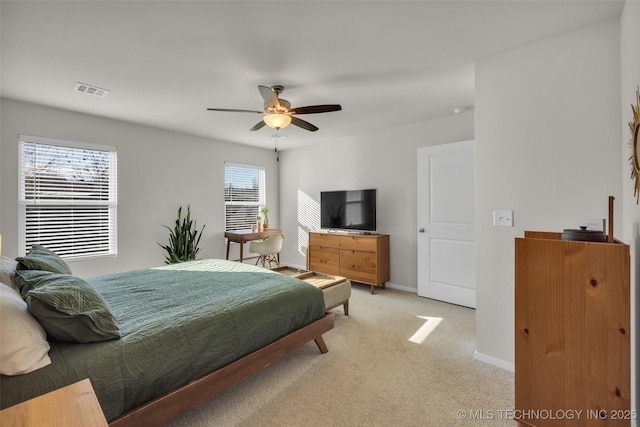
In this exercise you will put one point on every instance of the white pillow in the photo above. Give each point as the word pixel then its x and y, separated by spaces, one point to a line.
pixel 23 341
pixel 7 271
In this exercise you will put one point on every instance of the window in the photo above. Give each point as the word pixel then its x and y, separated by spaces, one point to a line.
pixel 244 193
pixel 67 197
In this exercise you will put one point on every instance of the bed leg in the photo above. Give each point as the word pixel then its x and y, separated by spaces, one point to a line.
pixel 321 344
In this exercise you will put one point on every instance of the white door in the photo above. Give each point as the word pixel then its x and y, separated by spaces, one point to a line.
pixel 446 223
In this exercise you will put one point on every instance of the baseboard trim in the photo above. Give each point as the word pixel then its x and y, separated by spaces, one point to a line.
pixel 503 364
pixel 401 288
pixel 292 265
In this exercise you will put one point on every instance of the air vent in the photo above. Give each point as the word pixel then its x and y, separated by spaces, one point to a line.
pixel 91 90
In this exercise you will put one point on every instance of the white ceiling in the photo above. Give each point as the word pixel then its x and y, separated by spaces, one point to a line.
pixel 388 63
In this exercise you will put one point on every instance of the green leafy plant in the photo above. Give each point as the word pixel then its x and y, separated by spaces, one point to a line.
pixel 183 239
pixel 265 215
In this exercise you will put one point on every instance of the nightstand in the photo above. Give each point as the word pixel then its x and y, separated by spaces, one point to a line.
pixel 75 405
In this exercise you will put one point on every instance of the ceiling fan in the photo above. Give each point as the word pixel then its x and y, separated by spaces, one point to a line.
pixel 278 112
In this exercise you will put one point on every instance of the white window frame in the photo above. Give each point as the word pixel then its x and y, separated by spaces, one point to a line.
pixel 261 194
pixel 76 238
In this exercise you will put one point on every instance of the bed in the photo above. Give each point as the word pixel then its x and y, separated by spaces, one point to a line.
pixel 187 331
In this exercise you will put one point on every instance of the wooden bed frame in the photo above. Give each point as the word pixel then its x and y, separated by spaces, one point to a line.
pixel 169 406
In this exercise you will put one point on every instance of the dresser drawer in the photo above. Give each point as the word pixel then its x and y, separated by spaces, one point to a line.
pixel 362 243
pixel 358 266
pixel 324 239
pixel 324 259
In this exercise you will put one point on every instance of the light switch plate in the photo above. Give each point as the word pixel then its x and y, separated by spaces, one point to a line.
pixel 503 218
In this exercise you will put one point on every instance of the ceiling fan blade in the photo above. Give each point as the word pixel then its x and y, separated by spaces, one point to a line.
pixel 258 125
pixel 303 124
pixel 311 109
pixel 234 110
pixel 269 96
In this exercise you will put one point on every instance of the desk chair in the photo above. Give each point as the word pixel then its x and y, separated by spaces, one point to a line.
pixel 268 250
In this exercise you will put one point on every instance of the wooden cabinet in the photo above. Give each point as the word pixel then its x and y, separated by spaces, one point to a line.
pixel 572 332
pixel 360 258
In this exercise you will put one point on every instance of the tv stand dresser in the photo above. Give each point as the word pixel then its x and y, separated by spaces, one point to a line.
pixel 362 258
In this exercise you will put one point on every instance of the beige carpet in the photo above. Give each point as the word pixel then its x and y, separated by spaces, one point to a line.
pixel 373 375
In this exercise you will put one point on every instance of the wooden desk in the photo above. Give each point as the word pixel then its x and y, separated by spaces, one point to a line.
pixel 75 405
pixel 242 236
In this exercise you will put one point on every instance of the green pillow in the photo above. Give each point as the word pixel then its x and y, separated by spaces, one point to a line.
pixel 70 309
pixel 41 258
pixel 25 280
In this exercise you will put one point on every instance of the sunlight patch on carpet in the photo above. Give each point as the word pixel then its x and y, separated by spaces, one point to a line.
pixel 430 324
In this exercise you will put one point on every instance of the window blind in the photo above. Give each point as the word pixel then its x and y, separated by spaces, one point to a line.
pixel 67 197
pixel 244 192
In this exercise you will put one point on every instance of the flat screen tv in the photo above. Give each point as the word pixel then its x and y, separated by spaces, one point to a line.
pixel 352 210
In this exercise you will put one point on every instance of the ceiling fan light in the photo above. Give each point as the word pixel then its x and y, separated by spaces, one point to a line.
pixel 277 120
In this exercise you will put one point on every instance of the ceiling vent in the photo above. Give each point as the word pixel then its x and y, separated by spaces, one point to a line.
pixel 91 90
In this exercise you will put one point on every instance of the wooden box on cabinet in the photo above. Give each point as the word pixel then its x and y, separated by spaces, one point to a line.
pixel 572 331
pixel 360 258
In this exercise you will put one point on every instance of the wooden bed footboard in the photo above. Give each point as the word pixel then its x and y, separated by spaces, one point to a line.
pixel 172 404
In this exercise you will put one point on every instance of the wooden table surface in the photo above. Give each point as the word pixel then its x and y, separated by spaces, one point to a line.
pixel 75 405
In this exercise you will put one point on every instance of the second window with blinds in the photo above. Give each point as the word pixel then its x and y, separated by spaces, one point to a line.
pixel 244 194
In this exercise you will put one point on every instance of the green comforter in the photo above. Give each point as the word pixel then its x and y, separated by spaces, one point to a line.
pixel 178 323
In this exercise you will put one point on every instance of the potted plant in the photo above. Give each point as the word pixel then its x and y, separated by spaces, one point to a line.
pixel 265 216
pixel 183 239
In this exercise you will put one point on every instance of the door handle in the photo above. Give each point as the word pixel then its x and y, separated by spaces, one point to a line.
pixel 421 230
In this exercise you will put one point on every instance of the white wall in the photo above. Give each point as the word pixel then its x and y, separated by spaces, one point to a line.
pixel 548 147
pixel 630 81
pixel 158 171
pixel 385 160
